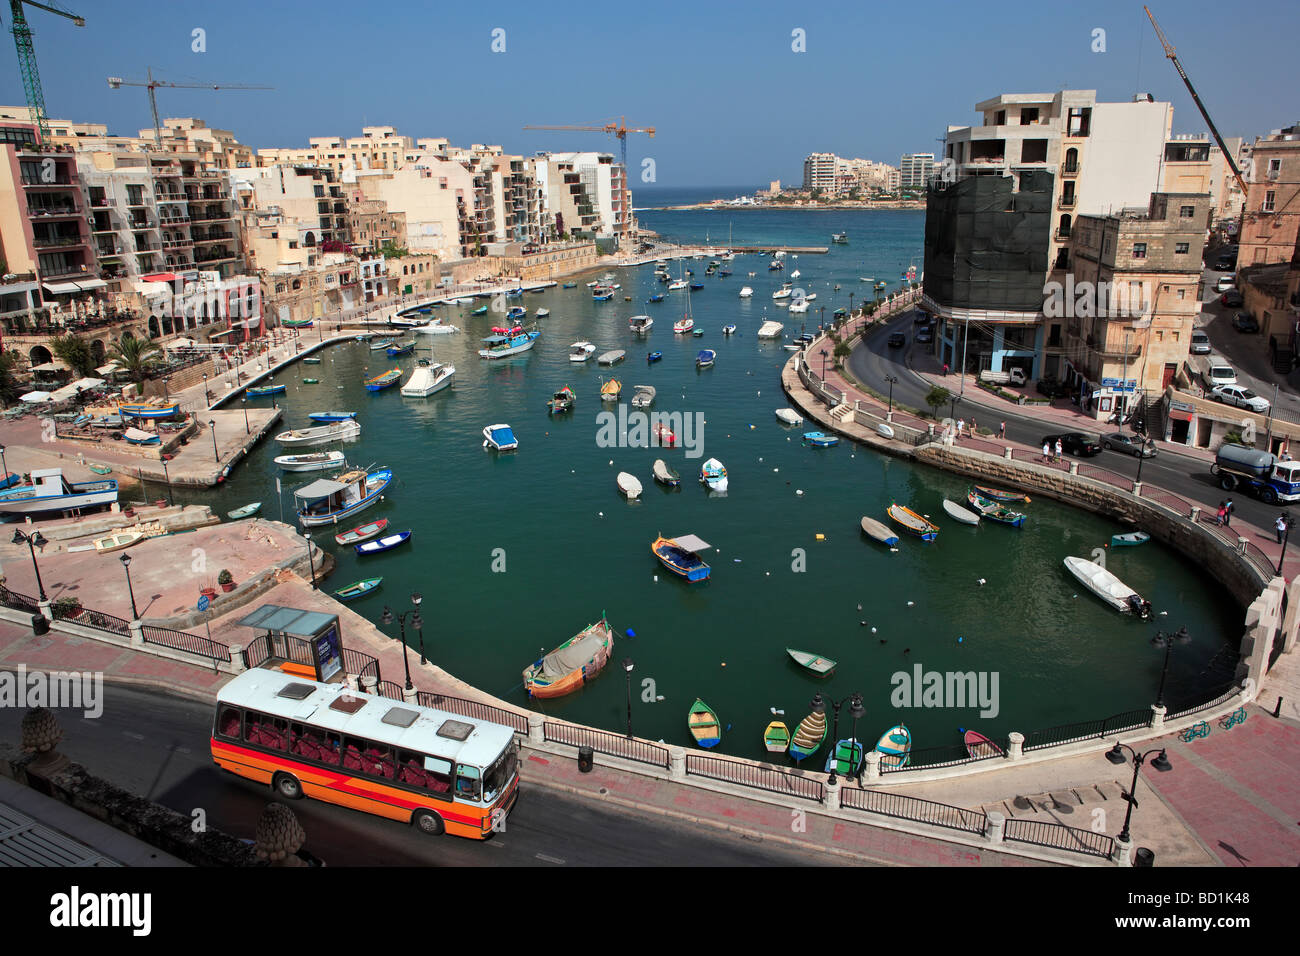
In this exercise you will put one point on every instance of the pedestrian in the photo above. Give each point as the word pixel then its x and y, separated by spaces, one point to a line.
pixel 945 369
pixel 973 430
pixel 1227 512
pixel 1223 513
pixel 1058 449
pixel 1281 526
pixel 1286 453
pixel 961 426
pixel 1047 453
pixel 1002 430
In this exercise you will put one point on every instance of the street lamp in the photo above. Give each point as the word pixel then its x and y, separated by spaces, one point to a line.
pixel 952 409
pixel 627 666
pixel 207 396
pixel 1142 454
pixel 246 428
pixel 216 456
pixel 34 540
pixel 126 563
pixel 1167 641
pixel 1286 536
pixel 387 618
pixel 417 622
pixel 823 365
pixel 892 380
pixel 856 710
pixel 166 478
pixel 4 468
pixel 1116 756
pixel 850 305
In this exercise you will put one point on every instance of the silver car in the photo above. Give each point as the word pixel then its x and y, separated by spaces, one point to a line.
pixel 1130 444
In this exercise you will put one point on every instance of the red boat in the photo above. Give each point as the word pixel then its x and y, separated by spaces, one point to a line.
pixel 977 745
pixel 664 436
pixel 362 532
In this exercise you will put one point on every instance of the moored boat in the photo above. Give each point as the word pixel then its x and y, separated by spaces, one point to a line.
pixel 776 737
pixel 580 351
pixel 913 523
pixel 958 513
pixel 331 416
pixel 629 485
pixel 562 401
pixel 640 324
pixel 386 543
pixel 788 416
pixel 729 329
pixel 820 439
pixel 714 475
pixel 880 532
pixel 644 397
pixel 571 665
pixel 808 736
pixel 380 345
pixel 746 292
pixel 664 436
pixel 705 358
pixel 1129 540
pixel 895 746
pixel 683 325
pixel 1109 588
pixel 652 357
pixel 612 357
pixel 770 330
pixel 383 380
pixel 320 434
pixel 1001 494
pixel 257 391
pixel 399 348
pixel 500 437
pixel 247 511
pixel 319 461
pixel 846 757
pixel 506 342
pixel 977 745
pixel 610 391
pixel 665 474
pixel 428 379
pixel 358 589
pixel 995 510
pixel 703 724
pixel 821 666
pixel 362 532
pixel 681 556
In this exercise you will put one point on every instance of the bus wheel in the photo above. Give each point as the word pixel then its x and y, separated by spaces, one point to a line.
pixel 428 822
pixel 287 786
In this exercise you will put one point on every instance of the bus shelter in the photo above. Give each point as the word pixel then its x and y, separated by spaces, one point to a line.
pixel 306 643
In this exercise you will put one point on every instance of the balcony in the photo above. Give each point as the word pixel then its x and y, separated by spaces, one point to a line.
pixel 108 252
pixel 213 237
pixel 54 183
pixel 52 212
pixel 1066 202
pixel 54 242
pixel 176 243
pixel 136 201
pixel 1117 351
pixel 1061 235
pixel 1069 170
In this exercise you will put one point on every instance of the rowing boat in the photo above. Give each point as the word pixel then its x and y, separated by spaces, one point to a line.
pixel 977 745
pixel 383 544
pixel 362 532
pixel 821 666
pixel 703 724
pixel 244 512
pixel 665 474
pixel 1108 587
pixel 1131 539
pixel 995 510
pixel 358 589
pixel 572 664
pixel 880 532
pixel 808 737
pixel 846 758
pixel 117 541
pixel 1001 494
pixel 776 737
pixel 913 523
pixel 895 745
pixel 958 513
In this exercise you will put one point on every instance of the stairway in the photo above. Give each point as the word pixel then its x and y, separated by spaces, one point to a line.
pixel 842 412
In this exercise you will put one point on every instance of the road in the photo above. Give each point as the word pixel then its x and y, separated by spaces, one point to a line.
pixel 1184 475
pixel 156 745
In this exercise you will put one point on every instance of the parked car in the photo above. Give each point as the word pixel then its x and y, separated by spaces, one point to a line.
pixel 1245 322
pixel 1232 299
pixel 1053 388
pixel 922 318
pixel 1200 343
pixel 1074 443
pixel 1225 283
pixel 1242 397
pixel 1220 373
pixel 897 340
pixel 924 335
pixel 1130 444
pixel 1225 263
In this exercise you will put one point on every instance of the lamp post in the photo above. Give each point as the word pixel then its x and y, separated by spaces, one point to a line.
pixel 627 667
pixel 33 540
pixel 1167 641
pixel 850 305
pixel 1116 756
pixel 856 710
pixel 207 396
pixel 126 563
pixel 1142 454
pixel 892 380
pixel 952 409
pixel 311 561
pixel 4 468
pixel 166 478
pixel 246 428
pixel 1286 536
pixel 216 456
pixel 416 622
pixel 823 365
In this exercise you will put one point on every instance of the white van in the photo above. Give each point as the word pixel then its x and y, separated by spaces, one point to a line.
pixel 1219 373
pixel 1200 343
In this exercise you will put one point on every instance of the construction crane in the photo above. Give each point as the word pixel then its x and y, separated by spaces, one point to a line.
pixel 116 82
pixel 1169 52
pixel 619 129
pixel 27 59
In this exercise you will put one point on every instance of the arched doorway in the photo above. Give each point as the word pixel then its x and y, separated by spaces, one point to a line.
pixel 39 355
pixel 1071 160
pixel 153 326
pixel 126 334
pixel 97 350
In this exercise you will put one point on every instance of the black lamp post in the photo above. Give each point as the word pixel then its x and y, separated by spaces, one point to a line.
pixel 4 468
pixel 166 478
pixel 892 380
pixel 823 365
pixel 126 563
pixel 207 396
pixel 387 618
pixel 627 666
pixel 311 561
pixel 33 540
pixel 246 428
pixel 1116 756
pixel 850 305
pixel 1167 641
pixel 216 456
pixel 856 710
pixel 417 622
pixel 952 409
pixel 1142 454
pixel 1286 536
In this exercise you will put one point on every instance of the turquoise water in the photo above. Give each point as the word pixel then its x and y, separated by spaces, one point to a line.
pixel 573 547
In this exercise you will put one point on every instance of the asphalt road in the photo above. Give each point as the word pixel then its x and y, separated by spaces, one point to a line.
pixel 1184 475
pixel 156 745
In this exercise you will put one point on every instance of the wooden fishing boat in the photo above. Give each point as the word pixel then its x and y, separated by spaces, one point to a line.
pixel 1001 494
pixel 562 401
pixel 913 523
pixel 244 512
pixel 383 380
pixel 880 532
pixel 629 485
pixel 703 724
pixel 776 737
pixel 257 391
pixel 325 501
pixel 380 345
pixel 808 736
pixel 572 664
pixel 895 746
pixel 1132 539
pixel 358 589
pixel 96 468
pixel 821 666
pixel 666 474
pixel 609 391
pixel 118 540
pixel 362 532
pixel 320 461
pixel 820 439
pixel 995 510
pixel 846 757
pixel 153 408
pixel 320 434
pixel 958 513
pixel 682 556
pixel 311 381
pixel 977 745
pixel 386 543
pixel 1108 587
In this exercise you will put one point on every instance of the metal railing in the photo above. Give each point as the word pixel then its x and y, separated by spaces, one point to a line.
pixel 1221 695
pixel 1087 730
pixel 931 758
pixel 601 741
pixel 17 601
pixel 759 776
pixel 474 708
pixel 1058 836
pixel 359 664
pixel 257 652
pixel 186 642
pixel 386 688
pixel 96 619
pixel 902 807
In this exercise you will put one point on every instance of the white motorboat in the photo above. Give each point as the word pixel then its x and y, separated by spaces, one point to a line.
pixel 580 351
pixel 770 330
pixel 1108 587
pixel 795 274
pixel 644 397
pixel 318 461
pixel 541 313
pixel 629 485
pixel 640 324
pixel 799 305
pixel 500 436
pixel 50 491
pixel 784 292
pixel 958 513
pixel 746 292
pixel 427 379
pixel 713 475
pixel 612 357
pixel 788 416
pixel 684 325
pixel 320 435
pixel 436 327
pixel 677 284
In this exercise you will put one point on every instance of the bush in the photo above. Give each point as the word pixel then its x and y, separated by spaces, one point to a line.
pixel 225 577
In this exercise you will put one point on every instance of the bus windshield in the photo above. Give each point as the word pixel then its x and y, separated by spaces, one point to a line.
pixel 500 773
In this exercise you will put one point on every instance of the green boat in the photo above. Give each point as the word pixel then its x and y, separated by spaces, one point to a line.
pixel 99 469
pixel 244 512
pixel 847 757
pixel 808 738
pixel 703 724
pixel 358 589
pixel 311 361
pixel 776 738
pixel 1131 539
pixel 821 666
pixel 311 381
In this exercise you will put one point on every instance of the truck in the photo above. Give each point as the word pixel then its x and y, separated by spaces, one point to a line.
pixel 1258 472
pixel 1013 376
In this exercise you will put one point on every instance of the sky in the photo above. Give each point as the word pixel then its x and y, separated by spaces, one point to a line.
pixel 730 97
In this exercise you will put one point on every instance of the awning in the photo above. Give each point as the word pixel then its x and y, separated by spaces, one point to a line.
pixel 159 277
pixel 108 369
pixel 1179 415
pixel 82 384
pixel 320 488
pixel 692 543
pixel 81 285
pixel 34 397
pixel 50 367
pixel 287 620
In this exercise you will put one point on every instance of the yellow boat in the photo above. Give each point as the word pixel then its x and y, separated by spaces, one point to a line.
pixel 609 391
pixel 118 540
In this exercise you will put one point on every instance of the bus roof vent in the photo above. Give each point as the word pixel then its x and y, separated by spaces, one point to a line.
pixel 296 691
pixel 455 730
pixel 399 717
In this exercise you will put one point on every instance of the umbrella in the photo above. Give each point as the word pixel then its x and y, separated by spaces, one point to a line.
pixel 35 397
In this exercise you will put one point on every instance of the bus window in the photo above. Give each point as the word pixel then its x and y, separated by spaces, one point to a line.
pixel 331 750
pixel 500 773
pixel 410 769
pixel 304 742
pixel 437 773
pixel 378 759
pixel 253 728
pixel 228 722
pixel 352 754
pixel 467 782
pixel 275 733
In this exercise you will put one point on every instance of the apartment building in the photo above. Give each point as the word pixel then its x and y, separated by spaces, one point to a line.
pixel 302 196
pixel 215 148
pixel 1195 164
pixel 438 202
pixel 819 171
pixel 836 176
pixel 373 225
pixel 583 195
pixel 1270 221
pixel 915 170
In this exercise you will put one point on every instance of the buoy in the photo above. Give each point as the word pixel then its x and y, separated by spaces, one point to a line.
pixel 981 582
pixel 910 603
pixel 768 573
pixel 862 623
pixel 656 578
pixel 660 697
pixel 724 663
pixel 600 514
pixel 873 630
pixel 735 560
pixel 821 537
pixel 798 491
pixel 630 633
pixel 960 639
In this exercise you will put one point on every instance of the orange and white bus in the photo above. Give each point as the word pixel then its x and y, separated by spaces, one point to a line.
pixel 437 770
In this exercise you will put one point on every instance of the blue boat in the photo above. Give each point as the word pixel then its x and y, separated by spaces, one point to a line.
pixel 514 293
pixel 516 312
pixel 481 310
pixel 603 297
pixel 820 440
pixel 654 357
pixel 681 556
pixel 705 357
pixel 697 286
pixel 506 342
pixel 393 351
pixel 256 391
pixel 846 757
pixel 331 416
pixel 386 543
pixel 329 501
pixel 501 437
pixel 655 298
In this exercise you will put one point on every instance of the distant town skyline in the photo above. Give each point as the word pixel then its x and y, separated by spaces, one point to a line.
pixel 730 98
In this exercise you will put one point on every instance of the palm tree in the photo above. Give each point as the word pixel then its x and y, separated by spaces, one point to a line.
pixel 74 352
pixel 132 356
pixel 8 382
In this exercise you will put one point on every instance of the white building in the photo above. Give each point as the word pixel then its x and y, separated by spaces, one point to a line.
pixel 914 170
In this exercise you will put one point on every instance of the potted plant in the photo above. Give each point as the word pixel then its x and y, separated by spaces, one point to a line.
pixel 226 580
pixel 67 607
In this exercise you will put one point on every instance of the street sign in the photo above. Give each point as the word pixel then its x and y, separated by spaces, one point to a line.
pixel 203 602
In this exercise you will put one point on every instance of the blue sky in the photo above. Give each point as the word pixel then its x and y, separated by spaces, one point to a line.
pixel 731 101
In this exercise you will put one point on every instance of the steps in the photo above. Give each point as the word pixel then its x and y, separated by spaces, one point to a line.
pixel 842 412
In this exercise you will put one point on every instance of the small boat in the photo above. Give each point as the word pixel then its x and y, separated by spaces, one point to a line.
pixel 320 461
pixel 12 479
pixel 682 556
pixel 311 361
pixel 481 310
pixel 880 532
pixel 629 485
pixel 562 401
pixel 380 345
pixel 729 330
pixel 995 510
pixel 600 296
pixel 656 298
pixel 977 745
pixel 775 266
pixel 808 736
pixel 684 325
pixel 117 541
pixel 644 397
pixel 846 757
pixel 244 512
pixel 839 313
pixel 714 475
pixel 799 305
pixel 703 724
pixel 499 437
pixel 784 292
pixel 386 543
pixel 570 285
pixel 776 737
pixel 884 431
pixel 405 348
pixel 913 523
pixel 428 379
pixel 677 284
pixel 50 491
pixel 153 408
pixel 958 513
pixel 821 666
pixel 640 324
pixel 705 358
pixel 788 416
pixel 698 333
pixel 330 501
pixel 383 380
pixel 320 435
pixel 664 436
pixel 895 746
pixel 840 237
pixel 665 474
pixel 820 439
pixel 137 436
pixel 358 589
pixel 311 381
pixel 746 292
pixel 362 532
pixel 1129 540
pixel 612 357
pixel 1108 587
pixel 503 343
pixel 580 351
pixel 609 391
pixel 653 357
pixel 1000 494
pixel 331 416
pixel 572 664
pixel 697 285
pixel 770 330
pixel 437 327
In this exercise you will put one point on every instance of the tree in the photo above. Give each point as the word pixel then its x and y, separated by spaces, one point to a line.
pixel 75 354
pixel 842 351
pixel 390 250
pixel 133 356
pixel 936 398
pixel 8 381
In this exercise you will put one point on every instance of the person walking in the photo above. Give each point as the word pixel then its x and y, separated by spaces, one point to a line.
pixel 1047 453
pixel 1002 430
pixel 1281 527
pixel 973 432
pixel 961 426
pixel 945 369
pixel 1222 514
pixel 1227 513
pixel 1058 449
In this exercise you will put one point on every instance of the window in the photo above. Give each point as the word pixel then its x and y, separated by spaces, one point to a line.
pixel 1139 250
pixel 1180 248
pixel 1182 293
pixel 1274 168
pixel 1000 118
pixel 1187 211
pixel 1160 336
pixel 1028 115
pixel 1270 201
pixel 437 774
pixel 229 722
pixel 468 784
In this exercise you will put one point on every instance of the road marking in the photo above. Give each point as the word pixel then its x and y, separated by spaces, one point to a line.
pixel 549 859
pixel 134 736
